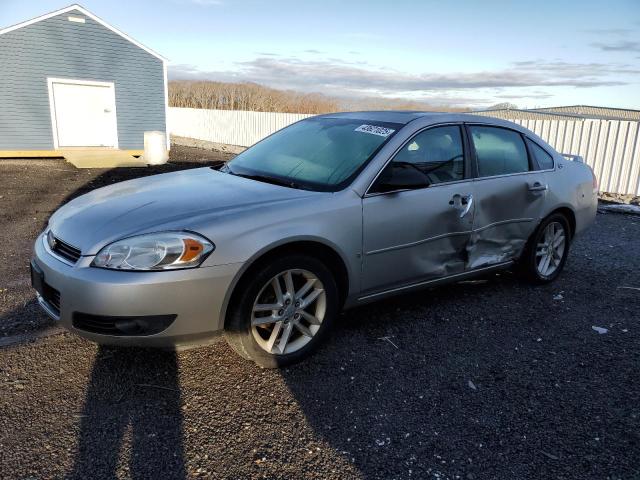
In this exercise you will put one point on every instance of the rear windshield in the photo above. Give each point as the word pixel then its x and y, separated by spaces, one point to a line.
pixel 317 153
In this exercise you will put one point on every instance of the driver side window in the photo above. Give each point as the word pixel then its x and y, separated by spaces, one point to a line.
pixel 431 157
pixel 437 152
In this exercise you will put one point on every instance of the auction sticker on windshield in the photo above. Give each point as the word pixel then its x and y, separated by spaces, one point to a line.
pixel 375 130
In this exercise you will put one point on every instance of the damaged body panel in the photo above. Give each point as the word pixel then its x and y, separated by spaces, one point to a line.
pixel 485 191
pixel 508 210
pixel 428 238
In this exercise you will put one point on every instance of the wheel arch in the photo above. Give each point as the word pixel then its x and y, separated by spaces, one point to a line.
pixel 311 246
pixel 568 213
pixel 564 210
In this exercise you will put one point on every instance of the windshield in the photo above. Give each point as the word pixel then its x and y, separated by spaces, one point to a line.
pixel 317 153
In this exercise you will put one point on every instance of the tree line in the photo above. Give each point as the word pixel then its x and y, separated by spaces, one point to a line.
pixel 258 98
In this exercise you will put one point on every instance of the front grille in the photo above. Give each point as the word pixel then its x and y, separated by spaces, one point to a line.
pixel 65 250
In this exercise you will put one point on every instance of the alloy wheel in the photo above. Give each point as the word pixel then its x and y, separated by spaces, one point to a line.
pixel 288 311
pixel 550 249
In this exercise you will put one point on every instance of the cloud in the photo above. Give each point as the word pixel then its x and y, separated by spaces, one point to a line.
pixel 313 50
pixel 338 78
pixel 622 46
pixel 579 74
pixel 537 96
pixel 334 74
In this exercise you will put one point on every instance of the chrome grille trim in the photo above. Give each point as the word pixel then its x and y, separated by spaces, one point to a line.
pixel 67 251
pixel 70 255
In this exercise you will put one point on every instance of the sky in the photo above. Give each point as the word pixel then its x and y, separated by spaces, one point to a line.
pixel 456 53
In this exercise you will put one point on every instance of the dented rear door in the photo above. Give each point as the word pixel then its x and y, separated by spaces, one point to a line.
pixel 508 192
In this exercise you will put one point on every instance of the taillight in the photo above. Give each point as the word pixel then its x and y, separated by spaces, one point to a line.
pixel 595 181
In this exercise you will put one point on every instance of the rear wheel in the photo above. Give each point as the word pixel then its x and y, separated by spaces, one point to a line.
pixel 547 250
pixel 283 311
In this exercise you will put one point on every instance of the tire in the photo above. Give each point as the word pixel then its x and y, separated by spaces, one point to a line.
pixel 251 323
pixel 532 261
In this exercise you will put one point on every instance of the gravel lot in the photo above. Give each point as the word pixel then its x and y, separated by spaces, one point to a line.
pixel 484 379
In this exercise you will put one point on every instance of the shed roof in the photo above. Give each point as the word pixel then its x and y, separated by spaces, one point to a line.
pixel 86 12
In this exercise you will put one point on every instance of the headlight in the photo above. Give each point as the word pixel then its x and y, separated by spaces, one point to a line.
pixel 155 251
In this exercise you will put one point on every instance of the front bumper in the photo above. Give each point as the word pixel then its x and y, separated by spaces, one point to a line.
pixel 196 297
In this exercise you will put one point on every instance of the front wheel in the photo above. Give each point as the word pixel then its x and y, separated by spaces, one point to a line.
pixel 283 311
pixel 547 250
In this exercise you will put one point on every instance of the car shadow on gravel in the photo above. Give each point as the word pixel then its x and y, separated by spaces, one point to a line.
pixel 133 396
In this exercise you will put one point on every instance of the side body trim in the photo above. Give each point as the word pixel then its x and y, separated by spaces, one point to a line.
pixel 434 281
pixel 438 237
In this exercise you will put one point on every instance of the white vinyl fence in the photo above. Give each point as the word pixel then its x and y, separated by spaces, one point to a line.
pixel 610 147
pixel 231 127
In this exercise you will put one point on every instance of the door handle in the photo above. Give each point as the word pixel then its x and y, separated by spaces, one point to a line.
pixel 537 187
pixel 465 201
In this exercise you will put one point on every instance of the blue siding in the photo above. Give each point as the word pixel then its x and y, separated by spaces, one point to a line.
pixel 56 47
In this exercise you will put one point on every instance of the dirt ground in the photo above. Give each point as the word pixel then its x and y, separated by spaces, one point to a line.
pixel 30 191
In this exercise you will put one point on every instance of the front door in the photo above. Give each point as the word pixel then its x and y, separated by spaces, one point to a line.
pixel 509 194
pixel 418 215
pixel 83 114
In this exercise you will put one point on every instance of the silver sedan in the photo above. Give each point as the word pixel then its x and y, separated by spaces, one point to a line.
pixel 329 213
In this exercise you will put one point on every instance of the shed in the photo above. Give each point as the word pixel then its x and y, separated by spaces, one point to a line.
pixel 71 80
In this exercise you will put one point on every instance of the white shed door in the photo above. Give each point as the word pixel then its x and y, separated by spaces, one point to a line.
pixel 84 114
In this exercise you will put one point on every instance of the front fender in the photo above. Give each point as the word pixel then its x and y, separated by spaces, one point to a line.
pixel 334 222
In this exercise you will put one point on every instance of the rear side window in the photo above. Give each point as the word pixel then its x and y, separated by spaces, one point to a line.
pixel 544 160
pixel 499 151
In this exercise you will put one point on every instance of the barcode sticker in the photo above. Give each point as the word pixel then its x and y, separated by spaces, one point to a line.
pixel 375 130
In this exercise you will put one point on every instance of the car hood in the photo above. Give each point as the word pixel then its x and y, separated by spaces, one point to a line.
pixel 178 200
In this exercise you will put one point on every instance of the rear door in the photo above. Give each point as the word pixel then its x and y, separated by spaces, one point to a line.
pixel 509 193
pixel 418 214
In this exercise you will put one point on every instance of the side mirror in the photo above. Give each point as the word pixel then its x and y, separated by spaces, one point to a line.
pixel 399 177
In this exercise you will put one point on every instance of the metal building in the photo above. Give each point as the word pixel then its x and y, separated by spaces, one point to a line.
pixel 592 112
pixel 69 80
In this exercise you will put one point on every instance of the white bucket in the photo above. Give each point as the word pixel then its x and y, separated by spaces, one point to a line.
pixel 155 148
